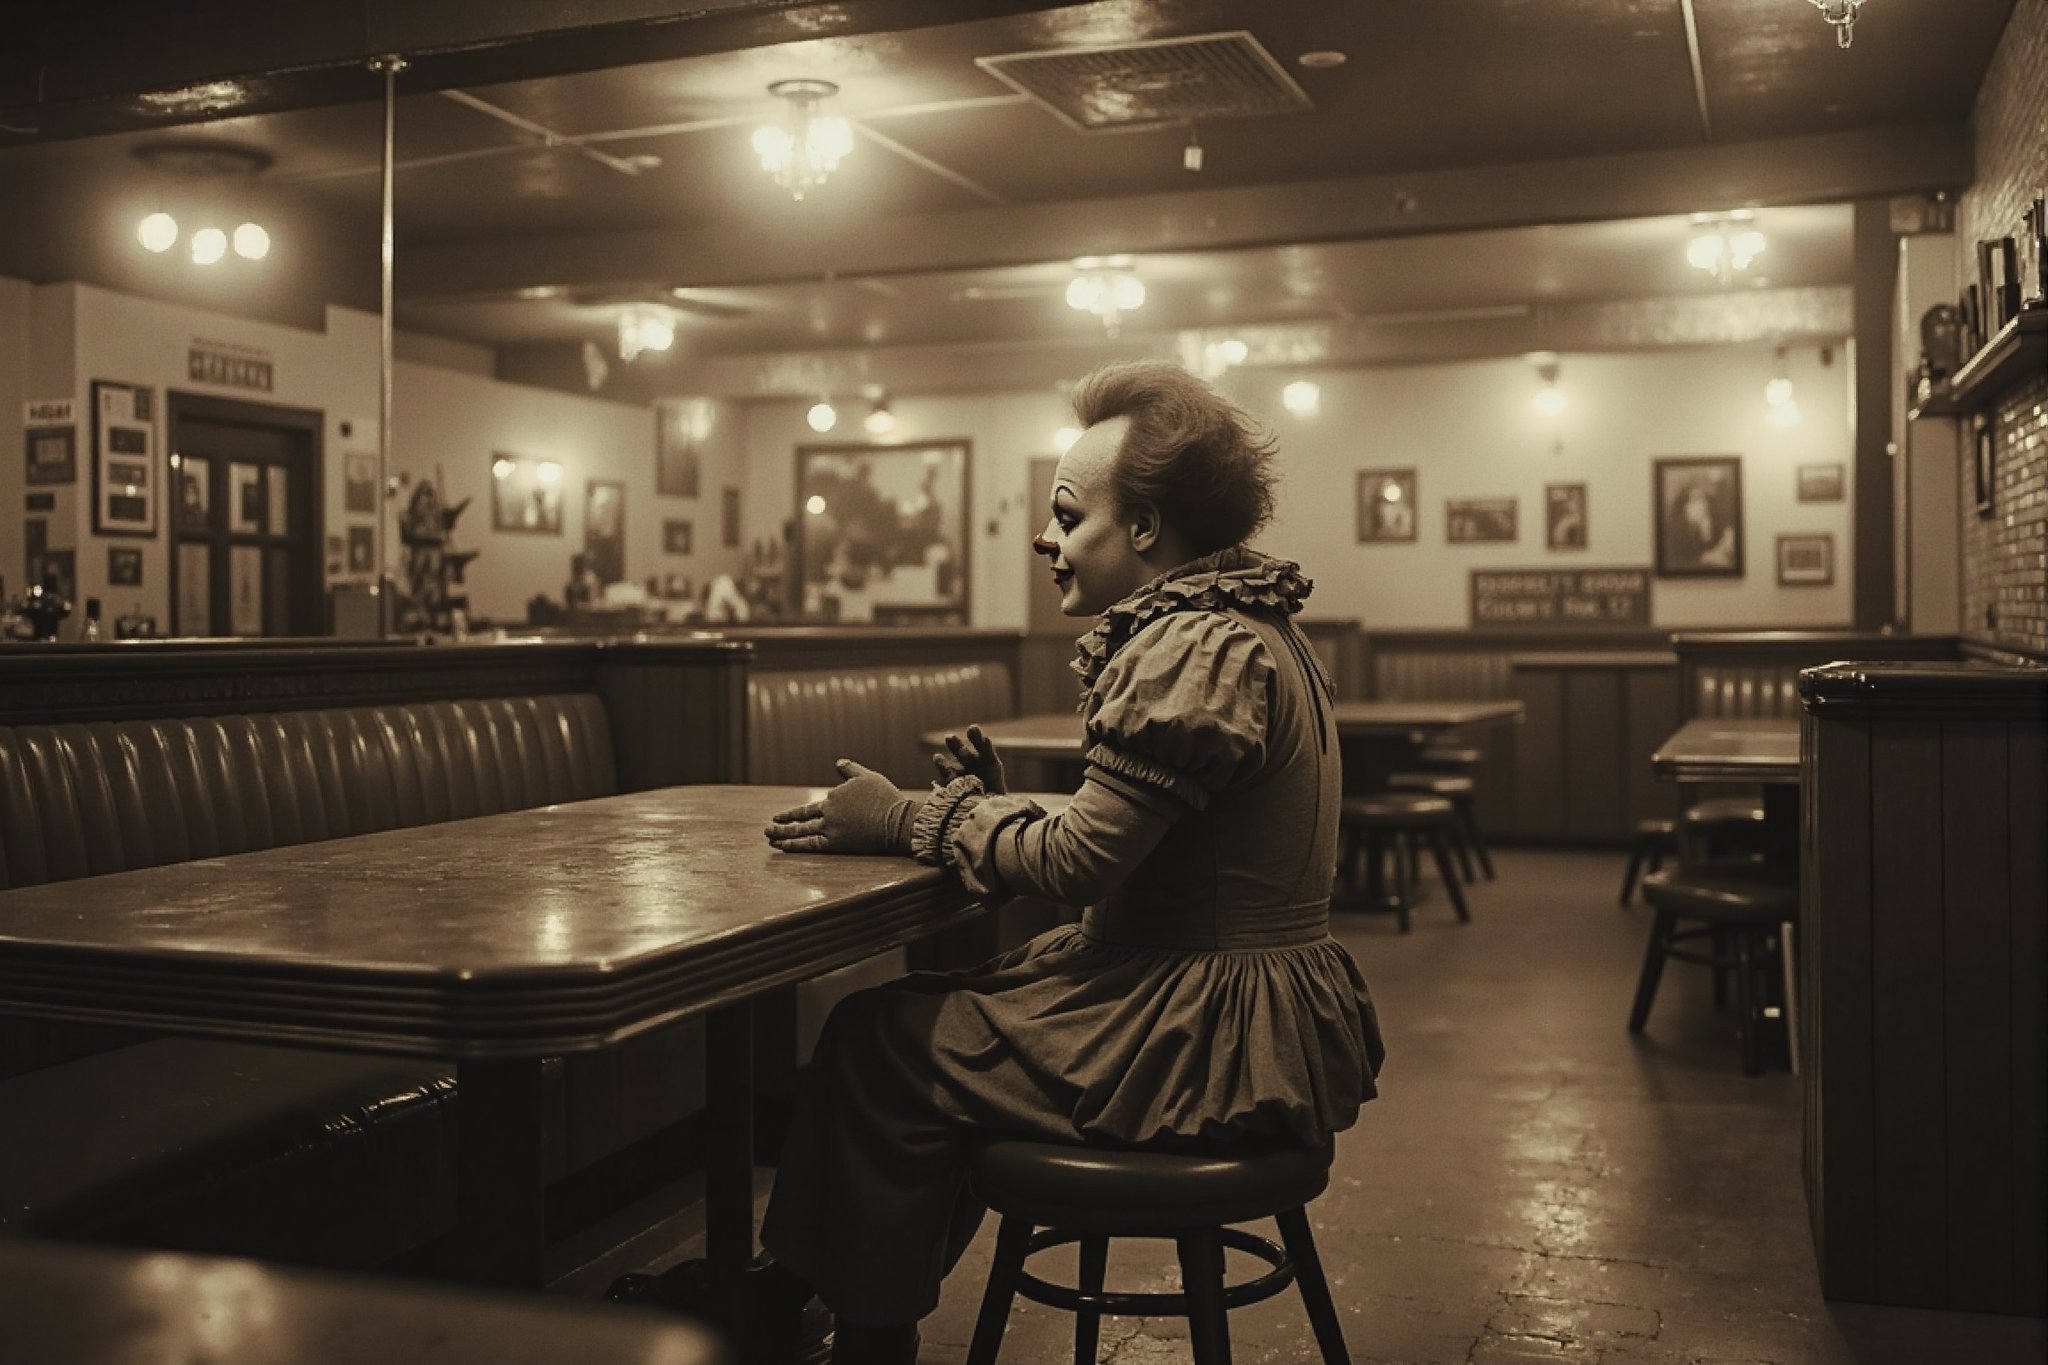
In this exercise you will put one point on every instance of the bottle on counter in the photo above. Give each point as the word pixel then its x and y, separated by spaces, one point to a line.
pixel 90 631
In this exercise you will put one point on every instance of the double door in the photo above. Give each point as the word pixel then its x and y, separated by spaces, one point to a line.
pixel 245 518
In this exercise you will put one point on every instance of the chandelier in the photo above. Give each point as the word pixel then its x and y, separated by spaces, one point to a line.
pixel 644 328
pixel 805 148
pixel 1842 14
pixel 1724 243
pixel 1106 287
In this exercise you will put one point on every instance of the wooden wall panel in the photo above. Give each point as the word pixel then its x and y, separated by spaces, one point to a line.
pixel 1650 701
pixel 1594 721
pixel 2026 970
pixel 1539 755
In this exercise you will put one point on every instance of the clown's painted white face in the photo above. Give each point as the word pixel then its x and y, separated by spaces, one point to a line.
pixel 1097 555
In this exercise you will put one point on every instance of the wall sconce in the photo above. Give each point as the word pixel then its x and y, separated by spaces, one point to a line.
pixel 807 146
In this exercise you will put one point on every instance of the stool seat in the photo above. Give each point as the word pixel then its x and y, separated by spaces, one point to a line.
pixel 1453 755
pixel 1402 809
pixel 1089 1189
pixel 1724 810
pixel 1732 892
pixel 1433 784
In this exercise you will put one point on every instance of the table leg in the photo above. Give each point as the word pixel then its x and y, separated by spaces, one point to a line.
pixel 729 1139
pixel 501 1185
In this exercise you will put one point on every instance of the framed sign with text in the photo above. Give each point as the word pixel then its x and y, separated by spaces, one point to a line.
pixel 124 473
pixel 1561 599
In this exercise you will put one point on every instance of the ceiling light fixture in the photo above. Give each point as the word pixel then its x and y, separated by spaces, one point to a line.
pixel 879 421
pixel 1842 14
pixel 1107 288
pixel 1302 398
pixel 822 417
pixel 1724 243
pixel 200 160
pixel 158 232
pixel 1781 406
pixel 1549 398
pixel 644 328
pixel 209 244
pixel 805 148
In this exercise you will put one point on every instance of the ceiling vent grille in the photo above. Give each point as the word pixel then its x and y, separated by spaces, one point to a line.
pixel 1145 85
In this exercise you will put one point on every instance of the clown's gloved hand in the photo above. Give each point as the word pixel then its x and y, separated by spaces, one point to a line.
pixel 864 814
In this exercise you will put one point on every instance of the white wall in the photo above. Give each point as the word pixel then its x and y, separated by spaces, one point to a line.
pixel 1469 431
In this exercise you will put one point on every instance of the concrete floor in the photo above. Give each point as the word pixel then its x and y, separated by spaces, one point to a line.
pixel 1534 1184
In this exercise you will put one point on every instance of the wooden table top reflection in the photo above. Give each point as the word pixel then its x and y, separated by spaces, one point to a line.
pixel 525 934
pixel 1059 734
pixel 1731 749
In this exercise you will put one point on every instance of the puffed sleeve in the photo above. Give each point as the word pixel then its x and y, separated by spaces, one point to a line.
pixel 1181 710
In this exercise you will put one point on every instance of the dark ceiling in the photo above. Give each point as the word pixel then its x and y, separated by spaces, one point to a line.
pixel 1482 159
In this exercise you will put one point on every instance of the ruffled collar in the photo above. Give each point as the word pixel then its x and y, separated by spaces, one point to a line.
pixel 1235 577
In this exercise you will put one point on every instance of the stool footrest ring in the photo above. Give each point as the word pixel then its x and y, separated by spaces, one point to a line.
pixel 1155 1305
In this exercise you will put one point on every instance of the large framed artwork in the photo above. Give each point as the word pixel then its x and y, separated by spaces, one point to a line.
pixel 680 429
pixel 526 495
pixel 882 533
pixel 1386 505
pixel 124 474
pixel 604 528
pixel 1697 501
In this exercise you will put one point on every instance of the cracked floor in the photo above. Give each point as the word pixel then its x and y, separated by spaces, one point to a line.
pixel 1533 1184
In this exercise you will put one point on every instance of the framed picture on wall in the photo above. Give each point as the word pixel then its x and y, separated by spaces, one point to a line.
pixel 1469 521
pixel 52 455
pixel 1820 483
pixel 526 495
pixel 124 476
pixel 1386 505
pixel 1564 516
pixel 680 429
pixel 729 519
pixel 882 532
pixel 604 528
pixel 675 537
pixel 1697 501
pixel 124 566
pixel 1806 561
pixel 359 481
pixel 1984 466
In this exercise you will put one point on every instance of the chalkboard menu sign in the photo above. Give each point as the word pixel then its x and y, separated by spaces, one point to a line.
pixel 1550 599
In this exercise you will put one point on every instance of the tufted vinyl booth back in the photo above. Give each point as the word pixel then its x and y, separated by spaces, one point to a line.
pixel 799 721
pixel 110 796
pixel 1763 690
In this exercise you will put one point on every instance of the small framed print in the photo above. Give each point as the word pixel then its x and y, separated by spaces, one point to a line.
pixel 1469 521
pixel 1820 483
pixel 1564 516
pixel 1984 466
pixel 675 537
pixel 124 478
pixel 1386 506
pixel 359 482
pixel 124 566
pixel 680 429
pixel 1806 561
pixel 52 455
pixel 362 549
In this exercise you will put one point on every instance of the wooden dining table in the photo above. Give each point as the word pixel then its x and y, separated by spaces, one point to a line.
pixel 1378 736
pixel 1749 750
pixel 497 942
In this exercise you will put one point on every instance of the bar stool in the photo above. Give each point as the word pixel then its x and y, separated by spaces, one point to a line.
pixel 1441 756
pixel 1736 906
pixel 1656 839
pixel 1379 823
pixel 1089 1195
pixel 1460 790
pixel 1723 825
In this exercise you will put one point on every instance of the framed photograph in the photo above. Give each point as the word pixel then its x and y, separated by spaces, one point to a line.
pixel 1564 516
pixel 882 532
pixel 359 482
pixel 679 432
pixel 1820 483
pixel 604 528
pixel 124 566
pixel 526 495
pixel 729 519
pixel 1386 505
pixel 1984 466
pixel 1806 561
pixel 675 537
pixel 52 455
pixel 124 480
pixel 1469 521
pixel 1697 501
pixel 362 549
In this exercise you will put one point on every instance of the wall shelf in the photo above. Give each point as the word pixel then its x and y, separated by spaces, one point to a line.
pixel 2019 351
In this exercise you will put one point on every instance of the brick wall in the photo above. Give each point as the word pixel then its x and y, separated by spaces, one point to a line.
pixel 2005 555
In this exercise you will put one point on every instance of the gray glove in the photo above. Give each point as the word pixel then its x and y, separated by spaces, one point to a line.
pixel 972 755
pixel 864 814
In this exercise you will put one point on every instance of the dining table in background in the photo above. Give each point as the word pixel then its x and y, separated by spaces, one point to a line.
pixel 1378 736
pixel 497 942
pixel 1747 751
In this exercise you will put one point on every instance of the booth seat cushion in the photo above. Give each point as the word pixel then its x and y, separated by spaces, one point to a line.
pixel 80 800
pixel 799 721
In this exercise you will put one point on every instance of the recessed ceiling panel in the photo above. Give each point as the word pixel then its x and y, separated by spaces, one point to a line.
pixel 1163 81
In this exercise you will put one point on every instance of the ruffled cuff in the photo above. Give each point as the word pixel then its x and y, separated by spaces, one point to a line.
pixel 970 846
pixel 1147 773
pixel 941 811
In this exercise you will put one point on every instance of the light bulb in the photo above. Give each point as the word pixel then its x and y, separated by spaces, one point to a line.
pixel 208 246
pixel 1704 251
pixel 822 417
pixel 1785 414
pixel 501 469
pixel 1084 293
pixel 656 333
pixel 775 147
pixel 1302 398
pixel 1127 293
pixel 1778 393
pixel 828 140
pixel 158 232
pixel 252 242
pixel 1549 401
pixel 549 472
pixel 1234 351
pixel 1063 439
pixel 815 505
pixel 1745 247
pixel 880 422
